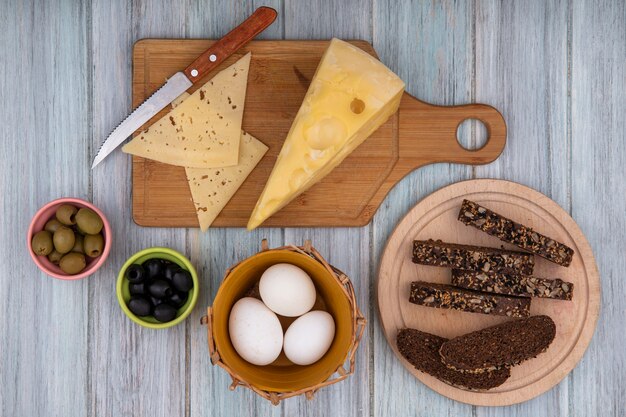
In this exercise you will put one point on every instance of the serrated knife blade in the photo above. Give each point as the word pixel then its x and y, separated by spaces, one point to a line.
pixel 173 88
pixel 181 81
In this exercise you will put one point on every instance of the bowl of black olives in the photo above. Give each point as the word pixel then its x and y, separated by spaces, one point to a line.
pixel 157 288
pixel 69 238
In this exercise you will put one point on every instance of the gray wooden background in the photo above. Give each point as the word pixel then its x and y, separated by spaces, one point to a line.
pixel 554 68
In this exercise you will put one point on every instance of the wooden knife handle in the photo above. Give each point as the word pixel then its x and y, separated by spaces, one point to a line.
pixel 229 44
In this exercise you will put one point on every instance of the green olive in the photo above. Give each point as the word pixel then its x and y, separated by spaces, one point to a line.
pixel 88 221
pixel 42 243
pixel 64 239
pixel 72 263
pixel 52 225
pixel 55 257
pixel 93 245
pixel 66 214
pixel 78 243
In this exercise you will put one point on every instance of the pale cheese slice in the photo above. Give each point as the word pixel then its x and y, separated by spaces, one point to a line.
pixel 350 96
pixel 204 130
pixel 178 100
pixel 212 188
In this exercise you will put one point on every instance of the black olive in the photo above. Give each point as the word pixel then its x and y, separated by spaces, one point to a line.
pixel 160 288
pixel 178 299
pixel 139 306
pixel 170 270
pixel 138 288
pixel 153 267
pixel 164 312
pixel 182 280
pixel 135 273
pixel 156 301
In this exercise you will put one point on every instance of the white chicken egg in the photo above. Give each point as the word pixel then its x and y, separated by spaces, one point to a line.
pixel 287 290
pixel 309 337
pixel 255 331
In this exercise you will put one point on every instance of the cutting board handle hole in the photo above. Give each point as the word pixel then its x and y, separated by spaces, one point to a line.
pixel 472 134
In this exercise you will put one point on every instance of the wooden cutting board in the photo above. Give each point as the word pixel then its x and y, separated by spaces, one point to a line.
pixel 435 217
pixel 280 73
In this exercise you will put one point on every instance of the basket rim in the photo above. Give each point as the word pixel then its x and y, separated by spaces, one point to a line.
pixel 358 327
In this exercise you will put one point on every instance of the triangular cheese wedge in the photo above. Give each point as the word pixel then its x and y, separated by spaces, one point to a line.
pixel 212 188
pixel 350 96
pixel 204 131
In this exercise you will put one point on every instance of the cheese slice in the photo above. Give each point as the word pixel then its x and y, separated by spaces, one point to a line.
pixel 350 96
pixel 178 100
pixel 212 188
pixel 204 130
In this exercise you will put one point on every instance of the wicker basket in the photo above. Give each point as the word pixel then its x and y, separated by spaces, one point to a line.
pixel 356 320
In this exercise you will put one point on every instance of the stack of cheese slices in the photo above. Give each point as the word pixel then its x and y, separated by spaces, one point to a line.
pixel 203 134
pixel 350 96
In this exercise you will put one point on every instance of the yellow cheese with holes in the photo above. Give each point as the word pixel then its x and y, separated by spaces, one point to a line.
pixel 204 130
pixel 350 96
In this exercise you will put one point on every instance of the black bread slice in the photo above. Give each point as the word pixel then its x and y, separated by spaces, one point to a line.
pixel 422 351
pixel 517 285
pixel 430 294
pixel 494 224
pixel 472 258
pixel 505 344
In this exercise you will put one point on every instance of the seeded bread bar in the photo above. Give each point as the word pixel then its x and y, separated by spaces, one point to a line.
pixel 503 345
pixel 447 296
pixel 422 351
pixel 473 258
pixel 494 224
pixel 518 285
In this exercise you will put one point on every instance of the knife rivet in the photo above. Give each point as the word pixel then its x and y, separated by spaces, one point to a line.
pixel 194 73
pixel 212 58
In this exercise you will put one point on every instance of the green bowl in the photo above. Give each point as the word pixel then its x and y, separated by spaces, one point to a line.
pixel 123 293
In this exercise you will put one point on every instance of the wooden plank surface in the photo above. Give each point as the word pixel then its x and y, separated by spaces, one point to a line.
pixel 598 200
pixel 133 370
pixel 435 60
pixel 555 69
pixel 524 73
pixel 44 151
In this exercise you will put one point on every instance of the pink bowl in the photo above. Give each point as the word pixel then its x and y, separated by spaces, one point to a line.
pixel 46 213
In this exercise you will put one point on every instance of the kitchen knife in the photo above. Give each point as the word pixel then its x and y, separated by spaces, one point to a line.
pixel 181 81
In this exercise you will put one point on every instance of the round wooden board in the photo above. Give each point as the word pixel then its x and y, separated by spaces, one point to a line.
pixel 435 217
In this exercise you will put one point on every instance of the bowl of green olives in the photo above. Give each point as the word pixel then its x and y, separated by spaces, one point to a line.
pixel 69 238
pixel 157 287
